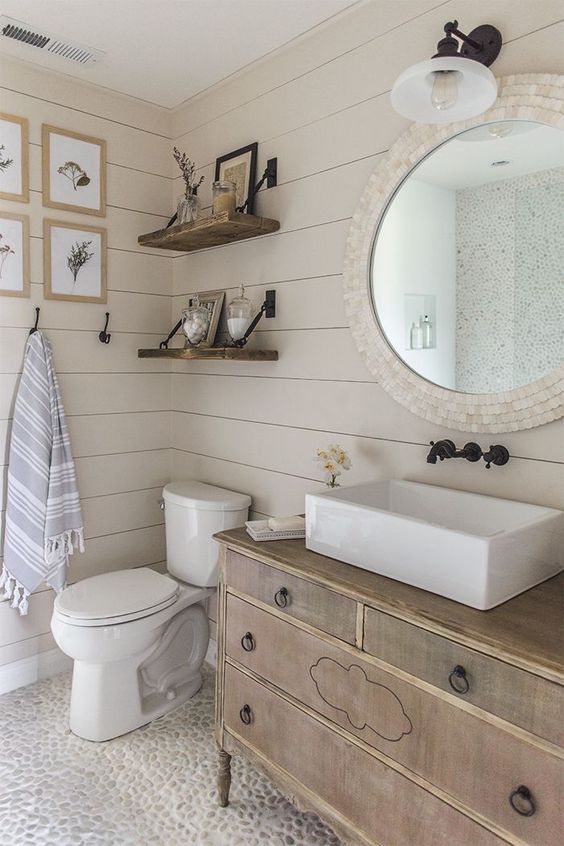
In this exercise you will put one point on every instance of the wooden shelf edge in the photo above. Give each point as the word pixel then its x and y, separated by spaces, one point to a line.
pixel 211 354
pixel 213 231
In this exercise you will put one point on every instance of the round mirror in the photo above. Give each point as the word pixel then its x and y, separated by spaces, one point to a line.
pixel 467 265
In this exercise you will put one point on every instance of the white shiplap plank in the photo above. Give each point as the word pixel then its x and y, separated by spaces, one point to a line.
pixel 339 408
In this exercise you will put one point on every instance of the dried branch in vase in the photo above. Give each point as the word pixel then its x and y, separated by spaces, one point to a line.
pixel 188 170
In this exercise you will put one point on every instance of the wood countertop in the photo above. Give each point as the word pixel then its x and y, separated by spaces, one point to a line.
pixel 526 631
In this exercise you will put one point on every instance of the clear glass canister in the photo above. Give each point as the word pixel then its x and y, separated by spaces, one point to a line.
pixel 240 313
pixel 196 322
pixel 224 196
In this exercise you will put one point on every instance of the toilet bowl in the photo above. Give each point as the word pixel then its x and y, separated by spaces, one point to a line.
pixel 138 638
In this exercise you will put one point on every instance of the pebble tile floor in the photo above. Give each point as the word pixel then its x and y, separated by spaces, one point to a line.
pixel 152 787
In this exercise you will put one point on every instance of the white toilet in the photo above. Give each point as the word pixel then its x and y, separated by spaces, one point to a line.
pixel 138 638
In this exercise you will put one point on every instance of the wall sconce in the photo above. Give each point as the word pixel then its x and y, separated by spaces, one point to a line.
pixel 456 83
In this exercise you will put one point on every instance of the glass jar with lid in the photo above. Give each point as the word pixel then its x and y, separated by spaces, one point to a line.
pixel 195 322
pixel 224 195
pixel 240 313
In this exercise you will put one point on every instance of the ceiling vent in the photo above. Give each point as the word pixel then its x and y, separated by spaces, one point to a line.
pixel 21 33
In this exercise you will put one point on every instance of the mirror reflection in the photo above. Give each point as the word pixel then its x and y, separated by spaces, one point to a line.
pixel 468 260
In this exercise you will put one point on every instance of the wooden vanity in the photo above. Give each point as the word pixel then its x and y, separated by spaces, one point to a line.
pixel 400 717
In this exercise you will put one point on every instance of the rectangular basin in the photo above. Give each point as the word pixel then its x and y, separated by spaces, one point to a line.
pixel 478 550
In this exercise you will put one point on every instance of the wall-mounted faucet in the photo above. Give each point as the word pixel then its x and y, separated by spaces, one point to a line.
pixel 471 451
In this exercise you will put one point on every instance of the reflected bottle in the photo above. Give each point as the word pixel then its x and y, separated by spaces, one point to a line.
pixel 416 336
pixel 426 328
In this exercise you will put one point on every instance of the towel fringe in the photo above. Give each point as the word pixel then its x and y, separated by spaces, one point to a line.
pixel 15 591
pixel 60 546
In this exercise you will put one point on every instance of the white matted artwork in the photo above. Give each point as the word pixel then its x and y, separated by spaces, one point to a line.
pixel 74 171
pixel 14 255
pixel 14 158
pixel 74 262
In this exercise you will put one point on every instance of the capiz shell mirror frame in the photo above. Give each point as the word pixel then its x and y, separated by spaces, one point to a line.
pixel 525 97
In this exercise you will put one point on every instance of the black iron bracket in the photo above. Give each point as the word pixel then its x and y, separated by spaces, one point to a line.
pixel 482 44
pixel 164 344
pixel 270 176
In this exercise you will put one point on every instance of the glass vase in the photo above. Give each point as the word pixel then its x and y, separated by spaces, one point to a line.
pixel 188 209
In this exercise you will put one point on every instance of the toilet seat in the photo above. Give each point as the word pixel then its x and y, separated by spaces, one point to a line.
pixel 116 597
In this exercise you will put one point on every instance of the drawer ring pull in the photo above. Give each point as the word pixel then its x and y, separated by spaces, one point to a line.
pixel 458 680
pixel 525 806
pixel 246 715
pixel 248 642
pixel 281 597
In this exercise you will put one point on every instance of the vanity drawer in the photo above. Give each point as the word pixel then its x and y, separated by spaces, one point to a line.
pixel 361 788
pixel 322 608
pixel 517 696
pixel 472 760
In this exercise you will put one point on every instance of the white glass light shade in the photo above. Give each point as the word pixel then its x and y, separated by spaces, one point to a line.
pixel 412 92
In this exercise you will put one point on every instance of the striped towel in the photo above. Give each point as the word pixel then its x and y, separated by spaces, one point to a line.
pixel 43 516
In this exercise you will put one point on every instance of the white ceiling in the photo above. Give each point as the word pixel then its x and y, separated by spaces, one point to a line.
pixel 166 51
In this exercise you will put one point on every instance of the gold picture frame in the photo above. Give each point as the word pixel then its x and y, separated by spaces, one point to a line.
pixel 213 301
pixel 16 177
pixel 64 261
pixel 21 267
pixel 74 171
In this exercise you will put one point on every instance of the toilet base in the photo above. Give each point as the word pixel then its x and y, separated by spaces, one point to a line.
pixel 115 697
pixel 90 724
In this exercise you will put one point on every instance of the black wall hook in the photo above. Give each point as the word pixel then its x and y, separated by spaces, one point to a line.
pixel 37 310
pixel 105 337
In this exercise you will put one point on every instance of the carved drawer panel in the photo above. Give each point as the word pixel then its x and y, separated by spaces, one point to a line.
pixel 472 760
pixel 517 696
pixel 318 606
pixel 358 786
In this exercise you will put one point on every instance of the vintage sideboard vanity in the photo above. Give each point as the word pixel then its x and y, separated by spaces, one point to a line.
pixel 401 717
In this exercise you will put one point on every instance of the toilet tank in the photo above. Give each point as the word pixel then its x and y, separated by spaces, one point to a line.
pixel 194 512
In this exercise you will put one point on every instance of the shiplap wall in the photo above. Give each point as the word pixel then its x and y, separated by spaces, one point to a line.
pixel 322 107
pixel 118 406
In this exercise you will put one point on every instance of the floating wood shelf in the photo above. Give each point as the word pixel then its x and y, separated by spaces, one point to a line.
pixel 212 354
pixel 211 231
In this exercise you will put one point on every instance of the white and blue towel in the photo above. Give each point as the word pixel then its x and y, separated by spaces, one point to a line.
pixel 43 514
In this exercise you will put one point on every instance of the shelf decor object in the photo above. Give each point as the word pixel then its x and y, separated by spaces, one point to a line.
pixel 213 231
pixel 240 167
pixel 211 354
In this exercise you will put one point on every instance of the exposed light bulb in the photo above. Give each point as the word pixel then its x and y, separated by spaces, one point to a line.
pixel 445 89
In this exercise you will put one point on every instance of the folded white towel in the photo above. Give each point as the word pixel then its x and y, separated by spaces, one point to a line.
pixel 287 524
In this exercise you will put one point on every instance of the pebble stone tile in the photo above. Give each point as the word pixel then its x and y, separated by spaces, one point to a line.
pixel 152 787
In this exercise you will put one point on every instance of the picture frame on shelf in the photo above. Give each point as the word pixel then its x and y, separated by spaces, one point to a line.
pixel 14 158
pixel 213 301
pixel 74 262
pixel 14 255
pixel 240 167
pixel 74 171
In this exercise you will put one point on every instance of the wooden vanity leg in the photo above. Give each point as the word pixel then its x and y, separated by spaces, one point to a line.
pixel 223 777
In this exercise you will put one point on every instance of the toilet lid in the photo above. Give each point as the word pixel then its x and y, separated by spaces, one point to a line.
pixel 116 594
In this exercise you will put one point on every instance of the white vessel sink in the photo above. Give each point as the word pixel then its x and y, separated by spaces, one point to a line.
pixel 478 550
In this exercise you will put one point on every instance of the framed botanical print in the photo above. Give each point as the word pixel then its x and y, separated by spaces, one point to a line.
pixel 14 255
pixel 14 158
pixel 74 259
pixel 74 171
pixel 239 167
